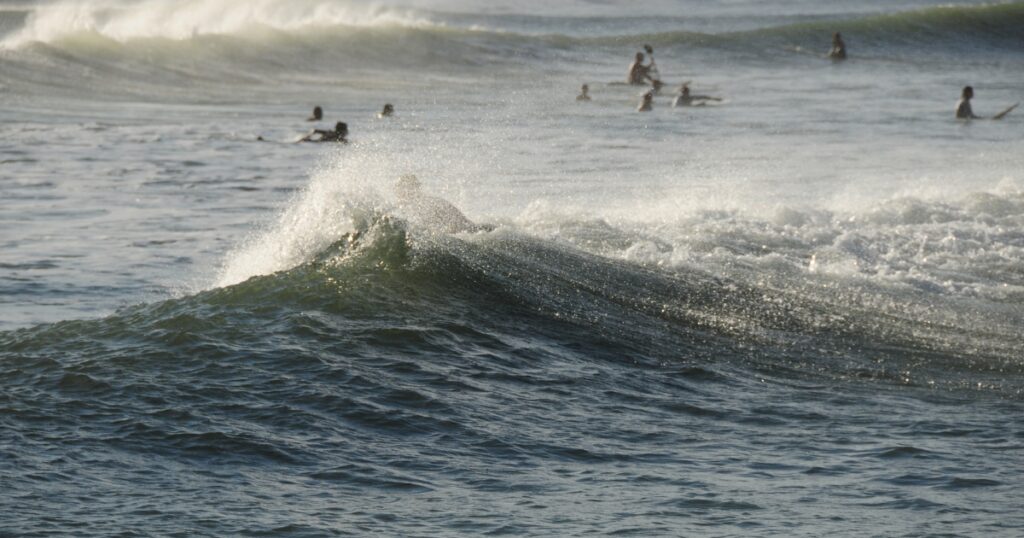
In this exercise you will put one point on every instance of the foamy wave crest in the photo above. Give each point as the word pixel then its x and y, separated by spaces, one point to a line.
pixel 123 20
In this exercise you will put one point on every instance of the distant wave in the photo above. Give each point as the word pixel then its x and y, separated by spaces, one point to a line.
pixel 156 44
pixel 122 20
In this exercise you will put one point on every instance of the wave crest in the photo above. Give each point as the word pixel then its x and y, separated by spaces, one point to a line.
pixel 175 19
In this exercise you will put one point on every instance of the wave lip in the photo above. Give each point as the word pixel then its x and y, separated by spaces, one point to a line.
pixel 122 21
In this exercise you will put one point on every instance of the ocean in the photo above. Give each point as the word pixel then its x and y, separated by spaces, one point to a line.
pixel 796 311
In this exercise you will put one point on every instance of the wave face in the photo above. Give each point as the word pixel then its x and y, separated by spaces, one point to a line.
pixel 397 370
pixel 829 296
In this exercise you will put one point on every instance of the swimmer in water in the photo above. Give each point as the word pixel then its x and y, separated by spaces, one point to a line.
pixel 583 96
pixel 339 134
pixel 963 106
pixel 388 111
pixel 646 102
pixel 685 98
pixel 434 212
pixel 638 72
pixel 318 114
pixel 838 51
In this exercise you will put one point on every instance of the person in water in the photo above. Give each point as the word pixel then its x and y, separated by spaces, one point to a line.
pixel 434 212
pixel 685 98
pixel 318 114
pixel 339 134
pixel 583 96
pixel 388 111
pixel 963 106
pixel 838 51
pixel 638 72
pixel 656 86
pixel 646 102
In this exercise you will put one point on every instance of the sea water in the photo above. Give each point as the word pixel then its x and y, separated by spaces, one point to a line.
pixel 795 311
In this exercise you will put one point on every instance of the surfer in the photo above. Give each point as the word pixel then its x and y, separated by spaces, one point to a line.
pixel 388 111
pixel 963 106
pixel 838 51
pixel 583 96
pixel 339 134
pixel 638 72
pixel 435 212
pixel 646 102
pixel 685 98
pixel 318 114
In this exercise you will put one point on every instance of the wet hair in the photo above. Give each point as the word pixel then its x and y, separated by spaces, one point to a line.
pixel 639 56
pixel 388 109
pixel 967 92
pixel 341 127
pixel 318 112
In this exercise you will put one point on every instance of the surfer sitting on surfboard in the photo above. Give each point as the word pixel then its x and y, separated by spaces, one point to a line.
pixel 583 96
pixel 339 134
pixel 638 72
pixel 838 51
pixel 963 107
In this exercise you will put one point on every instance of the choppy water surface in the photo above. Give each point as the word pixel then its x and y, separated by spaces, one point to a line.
pixel 797 312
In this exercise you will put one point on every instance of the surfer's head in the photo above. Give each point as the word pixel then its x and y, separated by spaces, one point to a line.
pixel 584 89
pixel 407 186
pixel 318 113
pixel 684 89
pixel 967 93
pixel 388 110
pixel 341 128
pixel 639 56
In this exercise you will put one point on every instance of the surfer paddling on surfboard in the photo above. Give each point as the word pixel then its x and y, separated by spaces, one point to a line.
pixel 964 111
pixel 339 134
pixel 685 98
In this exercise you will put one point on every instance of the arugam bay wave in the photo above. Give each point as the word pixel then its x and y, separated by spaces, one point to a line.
pixel 400 380
pixel 795 311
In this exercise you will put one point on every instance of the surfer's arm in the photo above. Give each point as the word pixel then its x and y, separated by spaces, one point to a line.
pixel 313 133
